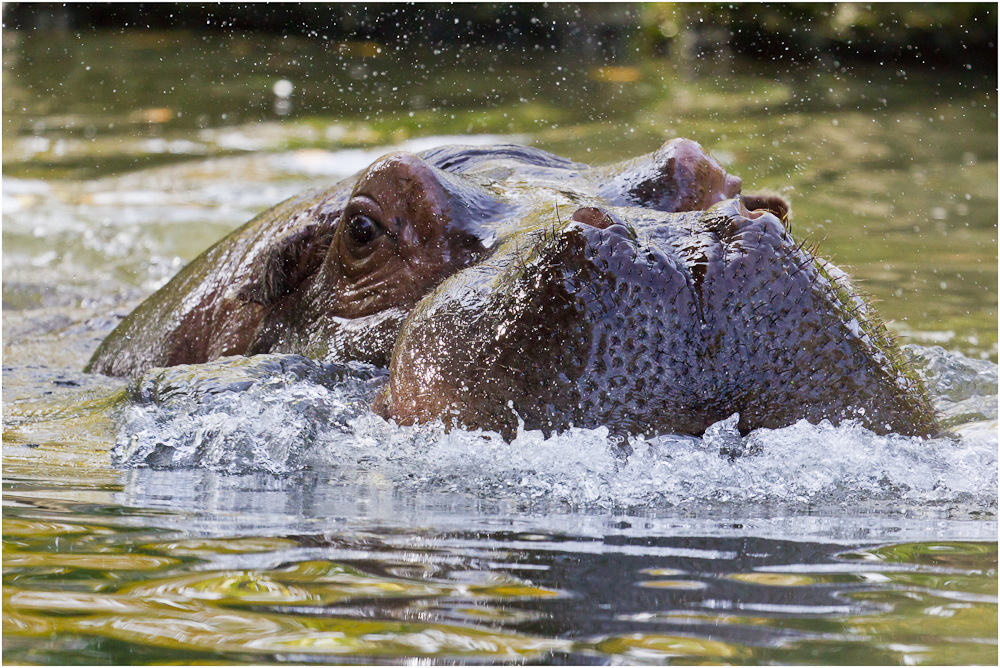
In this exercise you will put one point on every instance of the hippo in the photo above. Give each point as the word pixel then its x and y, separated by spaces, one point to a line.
pixel 506 287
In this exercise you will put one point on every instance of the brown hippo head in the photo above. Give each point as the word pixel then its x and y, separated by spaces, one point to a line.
pixel 504 284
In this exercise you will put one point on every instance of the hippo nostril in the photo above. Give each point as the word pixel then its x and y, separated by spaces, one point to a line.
pixel 750 213
pixel 594 217
pixel 761 204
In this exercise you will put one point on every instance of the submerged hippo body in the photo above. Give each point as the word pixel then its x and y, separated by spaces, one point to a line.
pixel 504 283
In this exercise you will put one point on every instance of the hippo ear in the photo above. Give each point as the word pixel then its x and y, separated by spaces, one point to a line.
pixel 680 176
pixel 289 260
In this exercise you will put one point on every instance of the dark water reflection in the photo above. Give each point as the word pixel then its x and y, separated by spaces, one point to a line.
pixel 195 565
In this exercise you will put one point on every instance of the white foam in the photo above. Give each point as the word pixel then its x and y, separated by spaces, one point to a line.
pixel 288 426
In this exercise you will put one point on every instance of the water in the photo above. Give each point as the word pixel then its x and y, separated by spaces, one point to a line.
pixel 281 521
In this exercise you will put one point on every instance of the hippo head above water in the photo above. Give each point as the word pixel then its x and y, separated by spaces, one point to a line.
pixel 503 284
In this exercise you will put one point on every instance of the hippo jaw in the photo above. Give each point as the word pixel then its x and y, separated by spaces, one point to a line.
pixel 663 323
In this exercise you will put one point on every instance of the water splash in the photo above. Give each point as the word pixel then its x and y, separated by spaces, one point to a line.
pixel 964 389
pixel 281 414
pixel 236 415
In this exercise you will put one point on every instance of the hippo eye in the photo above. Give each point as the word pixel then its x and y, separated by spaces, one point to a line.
pixel 363 230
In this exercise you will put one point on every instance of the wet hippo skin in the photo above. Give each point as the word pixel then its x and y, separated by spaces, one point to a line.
pixel 504 284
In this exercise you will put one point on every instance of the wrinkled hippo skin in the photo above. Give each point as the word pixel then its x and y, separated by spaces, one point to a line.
pixel 504 284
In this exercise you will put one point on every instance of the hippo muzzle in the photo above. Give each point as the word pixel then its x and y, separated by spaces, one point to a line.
pixel 651 323
pixel 508 286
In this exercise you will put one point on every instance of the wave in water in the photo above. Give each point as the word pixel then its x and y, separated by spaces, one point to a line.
pixel 282 414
